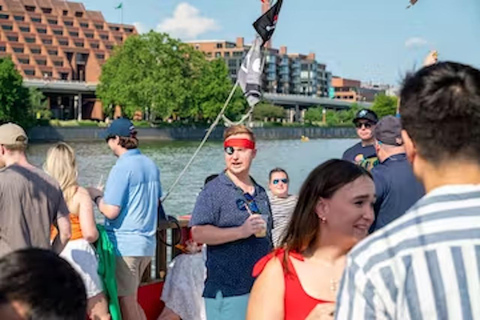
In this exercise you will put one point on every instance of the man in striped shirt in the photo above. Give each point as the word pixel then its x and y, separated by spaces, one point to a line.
pixel 426 264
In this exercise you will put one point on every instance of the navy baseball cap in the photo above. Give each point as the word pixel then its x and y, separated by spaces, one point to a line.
pixel 121 127
pixel 366 114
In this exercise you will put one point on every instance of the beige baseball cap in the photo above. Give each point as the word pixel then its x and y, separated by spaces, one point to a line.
pixel 12 134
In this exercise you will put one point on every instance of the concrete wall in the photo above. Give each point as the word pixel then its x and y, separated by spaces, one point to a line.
pixel 49 134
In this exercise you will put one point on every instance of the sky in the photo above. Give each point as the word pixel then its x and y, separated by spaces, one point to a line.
pixel 370 40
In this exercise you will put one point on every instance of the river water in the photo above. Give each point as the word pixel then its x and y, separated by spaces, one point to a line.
pixel 297 158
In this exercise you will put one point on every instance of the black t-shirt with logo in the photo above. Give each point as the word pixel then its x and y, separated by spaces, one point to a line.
pixel 363 156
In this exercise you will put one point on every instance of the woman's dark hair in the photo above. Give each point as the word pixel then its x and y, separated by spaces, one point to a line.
pixel 275 170
pixel 48 285
pixel 322 182
pixel 440 109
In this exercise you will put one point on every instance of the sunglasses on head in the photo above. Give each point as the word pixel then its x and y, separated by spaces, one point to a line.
pixel 277 181
pixel 249 205
pixel 367 125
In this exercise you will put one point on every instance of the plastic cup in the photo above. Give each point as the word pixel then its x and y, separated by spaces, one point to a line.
pixel 263 232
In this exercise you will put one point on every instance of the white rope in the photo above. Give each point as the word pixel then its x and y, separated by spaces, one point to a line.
pixel 209 132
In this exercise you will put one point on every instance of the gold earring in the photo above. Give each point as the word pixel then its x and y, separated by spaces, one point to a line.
pixel 323 219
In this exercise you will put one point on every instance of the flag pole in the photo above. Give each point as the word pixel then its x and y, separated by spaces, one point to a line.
pixel 121 21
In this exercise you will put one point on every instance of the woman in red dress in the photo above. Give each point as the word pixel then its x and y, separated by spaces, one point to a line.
pixel 300 280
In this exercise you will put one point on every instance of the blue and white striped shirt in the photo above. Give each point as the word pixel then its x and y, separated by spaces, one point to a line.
pixel 425 265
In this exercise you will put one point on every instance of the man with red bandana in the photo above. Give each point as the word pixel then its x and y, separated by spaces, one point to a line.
pixel 232 216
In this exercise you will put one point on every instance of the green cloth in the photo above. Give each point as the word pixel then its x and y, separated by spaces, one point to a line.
pixel 106 271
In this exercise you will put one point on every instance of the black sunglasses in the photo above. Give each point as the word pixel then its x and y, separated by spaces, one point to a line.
pixel 367 125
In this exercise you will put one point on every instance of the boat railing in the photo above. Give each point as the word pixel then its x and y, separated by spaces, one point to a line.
pixel 168 232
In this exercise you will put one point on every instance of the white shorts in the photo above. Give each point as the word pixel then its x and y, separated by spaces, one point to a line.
pixel 81 255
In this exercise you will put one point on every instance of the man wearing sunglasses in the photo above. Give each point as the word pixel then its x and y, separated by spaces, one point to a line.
pixel 363 153
pixel 232 217
pixel 281 202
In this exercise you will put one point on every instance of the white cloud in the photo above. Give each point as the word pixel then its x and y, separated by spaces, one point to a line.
pixel 187 23
pixel 415 42
pixel 141 27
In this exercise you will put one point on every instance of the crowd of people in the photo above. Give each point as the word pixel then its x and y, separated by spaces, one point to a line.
pixel 391 231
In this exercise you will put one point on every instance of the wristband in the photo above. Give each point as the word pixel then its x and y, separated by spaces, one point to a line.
pixel 96 199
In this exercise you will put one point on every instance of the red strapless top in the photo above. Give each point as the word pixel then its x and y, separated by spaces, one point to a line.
pixel 297 304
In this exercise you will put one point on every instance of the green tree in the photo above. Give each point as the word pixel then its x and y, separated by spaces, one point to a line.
pixel 267 110
pixel 14 97
pixel 314 114
pixel 385 105
pixel 39 104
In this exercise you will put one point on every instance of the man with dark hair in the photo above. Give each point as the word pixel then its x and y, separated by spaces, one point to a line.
pixel 363 153
pixel 282 203
pixel 425 265
pixel 38 284
pixel 30 200
pixel 396 187
pixel 130 206
pixel 232 217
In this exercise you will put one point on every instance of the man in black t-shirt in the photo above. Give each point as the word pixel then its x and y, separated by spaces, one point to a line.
pixel 363 153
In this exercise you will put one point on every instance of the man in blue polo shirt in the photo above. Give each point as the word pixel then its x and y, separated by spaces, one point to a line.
pixel 363 153
pixel 396 187
pixel 232 216
pixel 130 207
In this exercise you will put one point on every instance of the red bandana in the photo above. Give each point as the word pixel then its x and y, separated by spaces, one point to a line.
pixel 240 143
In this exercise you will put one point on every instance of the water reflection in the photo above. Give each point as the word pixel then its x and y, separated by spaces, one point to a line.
pixel 298 158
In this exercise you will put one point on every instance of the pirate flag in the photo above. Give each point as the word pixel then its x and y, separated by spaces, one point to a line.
pixel 412 2
pixel 265 25
pixel 250 74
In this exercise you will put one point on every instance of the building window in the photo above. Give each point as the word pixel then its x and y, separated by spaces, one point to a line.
pixel 12 38
pixel 84 24
pixel 65 12
pixel 4 16
pixel 113 28
pixel 47 41
pixel 63 76
pixel 30 8
pixel 24 29
pixel 68 23
pixel 119 39
pixel 232 63
pixel 47 10
pixel 218 54
pixel 238 54
pixel 109 47
pixel 100 56
pixel 79 44
pixel 74 34
pixel 227 54
pixel 52 21
pixel 94 45
pixel 219 45
pixel 99 26
pixel 7 27
pixel 63 42
pixel 38 20
pixel 18 50
pixel 128 30
pixel 89 35
pixel 104 37
pixel 58 32
pixel 78 14
pixel 41 62
pixel 29 72
pixel 24 61
pixel 47 74
pixel 42 30
pixel 53 52
pixel 35 50
pixel 58 63
pixel 209 54
pixel 3 49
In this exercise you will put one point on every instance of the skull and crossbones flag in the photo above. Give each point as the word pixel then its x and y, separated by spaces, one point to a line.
pixel 266 24
pixel 250 73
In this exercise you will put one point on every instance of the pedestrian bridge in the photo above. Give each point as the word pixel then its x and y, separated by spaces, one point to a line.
pixel 304 102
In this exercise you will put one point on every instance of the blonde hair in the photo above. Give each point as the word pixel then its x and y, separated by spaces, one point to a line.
pixel 238 129
pixel 62 166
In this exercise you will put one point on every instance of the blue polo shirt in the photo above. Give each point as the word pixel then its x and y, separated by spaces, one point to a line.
pixel 396 189
pixel 230 265
pixel 133 185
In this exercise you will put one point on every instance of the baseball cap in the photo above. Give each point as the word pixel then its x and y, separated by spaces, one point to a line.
pixel 366 114
pixel 121 127
pixel 389 131
pixel 12 134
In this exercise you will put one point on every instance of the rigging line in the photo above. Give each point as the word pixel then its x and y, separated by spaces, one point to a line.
pixel 214 124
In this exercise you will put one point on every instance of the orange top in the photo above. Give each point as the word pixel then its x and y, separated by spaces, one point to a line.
pixel 75 225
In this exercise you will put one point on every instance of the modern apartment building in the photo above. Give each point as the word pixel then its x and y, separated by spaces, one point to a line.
pixel 283 73
pixel 59 40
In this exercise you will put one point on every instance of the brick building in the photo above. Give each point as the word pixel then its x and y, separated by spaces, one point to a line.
pixel 60 41
pixel 353 90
